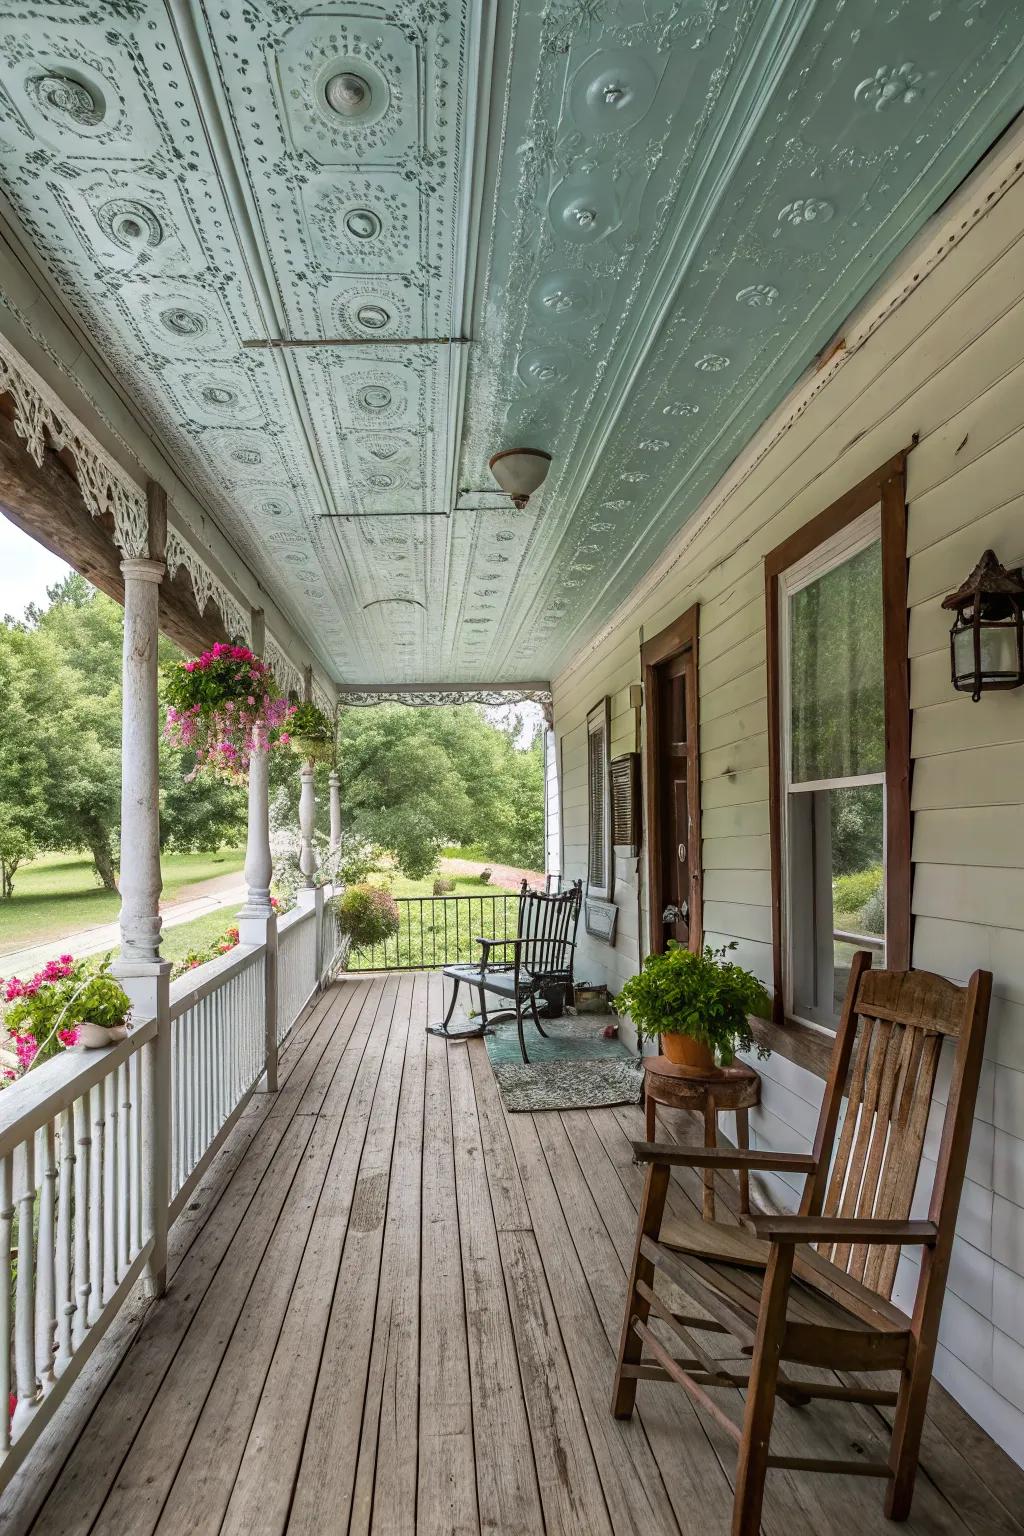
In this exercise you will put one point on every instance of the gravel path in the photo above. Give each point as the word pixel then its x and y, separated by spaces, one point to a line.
pixel 502 875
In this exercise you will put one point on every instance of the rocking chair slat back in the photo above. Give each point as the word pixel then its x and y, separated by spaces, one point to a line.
pixel 548 923
pixel 899 1020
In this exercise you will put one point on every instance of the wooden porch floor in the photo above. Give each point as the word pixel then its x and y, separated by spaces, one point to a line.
pixel 393 1308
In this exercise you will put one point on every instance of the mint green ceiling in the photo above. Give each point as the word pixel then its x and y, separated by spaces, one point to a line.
pixel 646 215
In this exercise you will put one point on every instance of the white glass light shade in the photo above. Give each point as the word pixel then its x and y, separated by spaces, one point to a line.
pixel 519 472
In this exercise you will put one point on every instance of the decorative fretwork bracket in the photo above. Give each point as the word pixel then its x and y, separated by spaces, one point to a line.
pixel 41 419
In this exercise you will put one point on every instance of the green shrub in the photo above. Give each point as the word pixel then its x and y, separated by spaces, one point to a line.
pixel 872 913
pixel 702 995
pixel 850 892
pixel 366 914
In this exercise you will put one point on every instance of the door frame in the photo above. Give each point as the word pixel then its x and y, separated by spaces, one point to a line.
pixel 673 640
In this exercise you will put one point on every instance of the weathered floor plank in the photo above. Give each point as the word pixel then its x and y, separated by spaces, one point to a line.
pixel 393 1312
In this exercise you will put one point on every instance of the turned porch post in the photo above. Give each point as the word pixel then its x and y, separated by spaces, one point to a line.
pixel 310 895
pixel 141 971
pixel 257 921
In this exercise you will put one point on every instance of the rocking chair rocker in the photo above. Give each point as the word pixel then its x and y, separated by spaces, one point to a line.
pixel 813 1289
pixel 542 957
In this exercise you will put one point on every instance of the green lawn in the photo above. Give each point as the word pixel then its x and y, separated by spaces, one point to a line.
pixel 176 942
pixel 59 893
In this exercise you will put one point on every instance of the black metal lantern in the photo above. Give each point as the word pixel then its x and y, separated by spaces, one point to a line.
pixel 986 643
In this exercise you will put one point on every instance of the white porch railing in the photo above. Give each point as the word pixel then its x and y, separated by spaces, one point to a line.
pixel 81 1163
pixel 297 974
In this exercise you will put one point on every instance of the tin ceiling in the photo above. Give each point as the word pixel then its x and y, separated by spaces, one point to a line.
pixel 645 215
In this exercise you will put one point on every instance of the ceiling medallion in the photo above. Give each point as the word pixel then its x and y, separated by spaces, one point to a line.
pixel 583 209
pixel 806 210
pixel 362 224
pixel 679 408
pixel 183 322
pixel 634 476
pixel 66 101
pixel 758 295
pixel 562 298
pixel 129 224
pixel 380 482
pixel 548 366
pixel 216 394
pixel 372 317
pixel 247 456
pixel 612 90
pixel 711 362
pixel 890 83
pixel 653 444
pixel 348 94
pixel 374 398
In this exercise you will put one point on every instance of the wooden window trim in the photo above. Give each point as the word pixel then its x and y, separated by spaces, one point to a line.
pixel 886 485
pixel 682 634
pixel 602 714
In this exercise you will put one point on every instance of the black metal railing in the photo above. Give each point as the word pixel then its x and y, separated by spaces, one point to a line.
pixel 440 930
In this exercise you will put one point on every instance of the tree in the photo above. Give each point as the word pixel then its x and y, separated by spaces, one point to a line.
pixel 414 780
pixel 60 737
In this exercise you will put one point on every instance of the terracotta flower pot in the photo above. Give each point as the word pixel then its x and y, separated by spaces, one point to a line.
pixel 685 1051
pixel 95 1036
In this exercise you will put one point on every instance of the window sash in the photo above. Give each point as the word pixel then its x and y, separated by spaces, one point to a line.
pixel 827 556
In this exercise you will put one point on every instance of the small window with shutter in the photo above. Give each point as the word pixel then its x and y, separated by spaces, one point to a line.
pixel 599 816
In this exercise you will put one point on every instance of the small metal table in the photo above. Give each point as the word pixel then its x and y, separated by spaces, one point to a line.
pixel 737 1088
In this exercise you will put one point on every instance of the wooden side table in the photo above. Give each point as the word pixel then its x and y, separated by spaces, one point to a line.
pixel 737 1088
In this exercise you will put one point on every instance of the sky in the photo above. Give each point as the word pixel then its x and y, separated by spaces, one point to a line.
pixel 26 570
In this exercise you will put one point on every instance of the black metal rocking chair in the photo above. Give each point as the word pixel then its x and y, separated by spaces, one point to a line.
pixel 542 957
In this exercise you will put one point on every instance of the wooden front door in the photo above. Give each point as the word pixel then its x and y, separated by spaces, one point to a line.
pixel 673 784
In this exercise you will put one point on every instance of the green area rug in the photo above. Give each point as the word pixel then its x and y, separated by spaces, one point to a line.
pixel 574 1068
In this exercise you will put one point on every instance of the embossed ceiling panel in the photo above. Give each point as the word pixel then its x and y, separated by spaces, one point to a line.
pixel 647 214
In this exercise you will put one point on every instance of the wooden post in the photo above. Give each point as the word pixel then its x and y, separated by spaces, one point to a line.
pixel 257 921
pixel 140 969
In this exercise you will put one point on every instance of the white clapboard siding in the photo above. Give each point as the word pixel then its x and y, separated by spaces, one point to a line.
pixel 943 364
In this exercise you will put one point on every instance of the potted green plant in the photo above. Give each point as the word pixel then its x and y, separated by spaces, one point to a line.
pixel 311 734
pixel 700 1004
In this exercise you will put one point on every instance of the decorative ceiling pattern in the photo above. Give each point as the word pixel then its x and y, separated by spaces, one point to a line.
pixel 645 215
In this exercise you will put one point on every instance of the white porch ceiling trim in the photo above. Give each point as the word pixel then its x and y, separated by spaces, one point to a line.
pixel 979 194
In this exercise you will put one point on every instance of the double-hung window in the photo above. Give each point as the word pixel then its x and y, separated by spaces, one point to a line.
pixel 840 735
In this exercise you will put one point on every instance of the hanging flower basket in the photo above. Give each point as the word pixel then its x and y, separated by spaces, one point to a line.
pixel 223 706
pixel 311 734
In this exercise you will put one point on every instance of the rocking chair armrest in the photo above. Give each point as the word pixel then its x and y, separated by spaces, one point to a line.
pixel 721 1157
pixel 842 1229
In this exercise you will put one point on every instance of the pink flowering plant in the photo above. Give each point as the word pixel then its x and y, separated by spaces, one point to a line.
pixel 223 706
pixel 42 1016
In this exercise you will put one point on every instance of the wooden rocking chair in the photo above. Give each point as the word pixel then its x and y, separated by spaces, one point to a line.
pixel 813 1289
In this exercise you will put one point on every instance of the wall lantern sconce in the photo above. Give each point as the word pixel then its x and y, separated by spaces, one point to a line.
pixel 986 643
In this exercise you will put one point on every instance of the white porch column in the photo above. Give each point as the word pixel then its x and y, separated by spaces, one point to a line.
pixel 310 895
pixel 257 921
pixel 307 805
pixel 307 825
pixel 334 783
pixel 139 969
